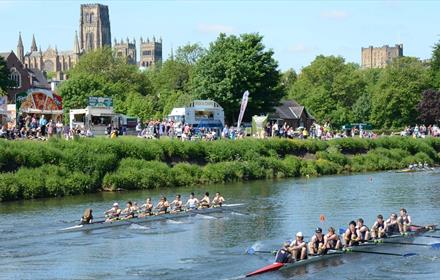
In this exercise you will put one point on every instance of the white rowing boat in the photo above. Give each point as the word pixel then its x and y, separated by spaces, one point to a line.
pixel 148 219
pixel 362 248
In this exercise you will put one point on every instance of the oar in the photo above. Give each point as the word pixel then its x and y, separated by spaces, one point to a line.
pixel 432 236
pixel 251 251
pixel 383 253
pixel 433 245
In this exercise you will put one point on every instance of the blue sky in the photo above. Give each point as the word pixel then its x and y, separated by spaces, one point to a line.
pixel 296 31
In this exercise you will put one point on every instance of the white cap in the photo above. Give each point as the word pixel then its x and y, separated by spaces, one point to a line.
pixel 115 204
pixel 299 234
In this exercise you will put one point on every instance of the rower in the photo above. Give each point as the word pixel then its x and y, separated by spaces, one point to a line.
pixel 129 211
pixel 205 202
pixel 218 200
pixel 177 204
pixel 363 231
pixel 113 213
pixel 332 240
pixel 192 202
pixel 316 244
pixel 148 208
pixel 136 207
pixel 392 225
pixel 404 221
pixel 378 228
pixel 162 206
pixel 351 237
pixel 87 217
pixel 298 248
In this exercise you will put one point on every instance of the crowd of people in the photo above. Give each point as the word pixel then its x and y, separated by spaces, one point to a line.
pixel 356 234
pixel 133 210
pixel 421 131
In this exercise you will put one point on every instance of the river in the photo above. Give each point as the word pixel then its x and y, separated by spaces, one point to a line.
pixel 213 247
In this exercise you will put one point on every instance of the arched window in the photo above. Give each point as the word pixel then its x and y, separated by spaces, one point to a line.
pixel 15 76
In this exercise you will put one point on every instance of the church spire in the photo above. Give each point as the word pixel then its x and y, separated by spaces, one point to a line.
pixel 76 49
pixel 20 48
pixel 34 44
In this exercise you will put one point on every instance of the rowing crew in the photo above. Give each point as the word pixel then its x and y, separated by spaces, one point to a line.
pixel 355 234
pixel 132 209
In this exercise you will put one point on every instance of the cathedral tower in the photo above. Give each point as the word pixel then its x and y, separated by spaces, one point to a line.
pixel 126 50
pixel 94 26
pixel 151 52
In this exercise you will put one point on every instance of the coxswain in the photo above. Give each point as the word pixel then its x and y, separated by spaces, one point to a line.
pixel 404 221
pixel 205 201
pixel 298 248
pixel 192 202
pixel 113 213
pixel 351 235
pixel 87 217
pixel 378 228
pixel 162 206
pixel 392 225
pixel 332 240
pixel 218 200
pixel 363 231
pixel 176 204
pixel 316 244
pixel 128 211
pixel 147 208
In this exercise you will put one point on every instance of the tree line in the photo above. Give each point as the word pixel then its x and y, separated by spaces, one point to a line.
pixel 405 92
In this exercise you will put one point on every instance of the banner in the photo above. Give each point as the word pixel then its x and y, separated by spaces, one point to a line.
pixel 38 101
pixel 244 102
pixel 105 102
pixel 3 103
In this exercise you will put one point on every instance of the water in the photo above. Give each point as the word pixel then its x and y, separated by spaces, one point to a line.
pixel 213 246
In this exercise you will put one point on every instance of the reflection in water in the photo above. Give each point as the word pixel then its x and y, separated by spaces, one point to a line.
pixel 214 245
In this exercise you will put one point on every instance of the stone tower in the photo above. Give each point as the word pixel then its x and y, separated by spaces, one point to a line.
pixel 34 44
pixel 126 49
pixel 94 26
pixel 20 48
pixel 151 52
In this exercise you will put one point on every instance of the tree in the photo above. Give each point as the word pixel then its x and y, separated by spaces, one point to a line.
pixel 429 107
pixel 329 87
pixel 233 65
pixel 190 53
pixel 397 93
pixel 435 66
pixel 288 78
pixel 5 82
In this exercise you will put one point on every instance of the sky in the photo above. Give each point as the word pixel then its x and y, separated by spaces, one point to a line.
pixel 297 31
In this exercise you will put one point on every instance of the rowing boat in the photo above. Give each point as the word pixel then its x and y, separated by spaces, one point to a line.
pixel 148 219
pixel 410 170
pixel 334 253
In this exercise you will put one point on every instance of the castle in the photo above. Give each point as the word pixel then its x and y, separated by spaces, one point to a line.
pixel 95 32
pixel 380 57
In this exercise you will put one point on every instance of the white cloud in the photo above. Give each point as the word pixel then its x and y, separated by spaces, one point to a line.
pixel 334 15
pixel 301 48
pixel 215 28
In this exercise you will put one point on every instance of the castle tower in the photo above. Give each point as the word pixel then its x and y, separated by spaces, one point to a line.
pixel 34 44
pixel 127 50
pixel 94 26
pixel 20 49
pixel 151 52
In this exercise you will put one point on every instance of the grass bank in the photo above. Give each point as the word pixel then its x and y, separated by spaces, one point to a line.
pixel 31 169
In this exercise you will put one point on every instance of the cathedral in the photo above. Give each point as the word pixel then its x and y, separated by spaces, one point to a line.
pixel 94 33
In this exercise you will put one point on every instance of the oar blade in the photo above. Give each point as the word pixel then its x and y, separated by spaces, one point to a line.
pixel 250 251
pixel 341 230
pixel 435 246
pixel 409 255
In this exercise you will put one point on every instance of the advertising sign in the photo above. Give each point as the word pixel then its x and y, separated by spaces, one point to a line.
pixel 105 102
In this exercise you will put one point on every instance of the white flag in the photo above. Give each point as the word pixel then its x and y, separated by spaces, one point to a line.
pixel 244 102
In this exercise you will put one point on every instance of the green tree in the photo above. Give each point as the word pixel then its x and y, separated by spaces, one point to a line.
pixel 190 53
pixel 435 66
pixel 397 93
pixel 233 65
pixel 5 82
pixel 329 87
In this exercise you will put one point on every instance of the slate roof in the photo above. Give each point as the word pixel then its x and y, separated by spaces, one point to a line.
pixel 290 110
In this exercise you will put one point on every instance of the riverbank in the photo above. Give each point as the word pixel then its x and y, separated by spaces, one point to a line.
pixel 32 169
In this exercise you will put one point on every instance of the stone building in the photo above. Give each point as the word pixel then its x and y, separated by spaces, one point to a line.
pixel 126 49
pixel 50 60
pixel 150 52
pixel 380 57
pixel 94 26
